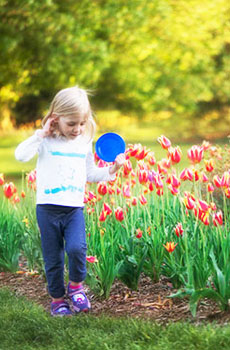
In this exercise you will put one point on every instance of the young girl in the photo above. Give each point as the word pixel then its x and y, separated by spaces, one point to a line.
pixel 65 163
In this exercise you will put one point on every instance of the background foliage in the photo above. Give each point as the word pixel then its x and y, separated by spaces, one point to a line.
pixel 138 57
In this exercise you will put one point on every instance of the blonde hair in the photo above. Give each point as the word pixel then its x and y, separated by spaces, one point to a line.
pixel 72 101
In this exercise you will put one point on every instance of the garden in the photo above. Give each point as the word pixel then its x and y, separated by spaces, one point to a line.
pixel 157 236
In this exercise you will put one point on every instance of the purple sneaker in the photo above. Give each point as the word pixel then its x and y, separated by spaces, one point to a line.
pixel 60 308
pixel 79 299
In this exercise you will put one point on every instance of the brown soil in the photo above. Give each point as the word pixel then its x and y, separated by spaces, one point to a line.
pixel 149 302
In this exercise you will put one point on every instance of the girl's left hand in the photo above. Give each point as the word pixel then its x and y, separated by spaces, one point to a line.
pixel 119 161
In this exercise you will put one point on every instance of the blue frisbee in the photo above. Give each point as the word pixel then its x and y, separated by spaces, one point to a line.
pixel 109 145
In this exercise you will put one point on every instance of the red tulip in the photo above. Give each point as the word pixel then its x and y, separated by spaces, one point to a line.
pixel 173 190
pixel 1 179
pixel 209 165
pixel 217 181
pixel 195 154
pixel 210 187
pixel 103 215
pixel 139 233
pixel 179 230
pixel 203 205
pixel 186 174
pixel 23 194
pixel 218 218
pixel 119 214
pixel 91 259
pixel 151 158
pixel 126 191
pixel 9 189
pixel 127 168
pixel 142 199
pixel 107 208
pixel 102 188
pixel 164 141
pixel 225 180
pixel 134 201
pixel 174 154
pixel 143 176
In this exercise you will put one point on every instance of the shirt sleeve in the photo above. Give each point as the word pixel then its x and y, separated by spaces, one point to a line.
pixel 94 173
pixel 28 148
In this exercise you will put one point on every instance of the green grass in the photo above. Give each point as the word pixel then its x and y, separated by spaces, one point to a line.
pixel 25 325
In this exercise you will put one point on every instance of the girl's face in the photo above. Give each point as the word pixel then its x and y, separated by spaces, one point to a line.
pixel 71 127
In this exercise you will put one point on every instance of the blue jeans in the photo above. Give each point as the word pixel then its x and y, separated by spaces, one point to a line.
pixel 62 228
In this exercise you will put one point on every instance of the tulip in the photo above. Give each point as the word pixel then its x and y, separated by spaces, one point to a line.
pixel 206 145
pixel 218 218
pixel 126 191
pixel 174 154
pixel 31 177
pixel 204 217
pixel 186 174
pixel 209 165
pixel 158 181
pixel 210 187
pixel 9 189
pixel 160 192
pixel 91 259
pixel 1 179
pixel 164 141
pixel 217 181
pixel 127 168
pixel 134 201
pixel 142 153
pixel 23 194
pixel 203 205
pixel 142 199
pixel 143 176
pixel 132 150
pixel 213 206
pixel 170 246
pixel 16 198
pixel 119 214
pixel 227 192
pixel 173 190
pixel 195 154
pixel 161 169
pixel 204 178
pixel 91 196
pixel 107 208
pixel 102 188
pixel 151 187
pixel 151 158
pixel 179 230
pixel 90 210
pixel 225 180
pixel 139 233
pixel 189 203
pixel 103 215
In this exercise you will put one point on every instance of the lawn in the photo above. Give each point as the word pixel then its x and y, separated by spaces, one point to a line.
pixel 25 325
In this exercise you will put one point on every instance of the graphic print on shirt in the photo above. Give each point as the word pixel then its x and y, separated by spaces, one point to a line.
pixel 66 171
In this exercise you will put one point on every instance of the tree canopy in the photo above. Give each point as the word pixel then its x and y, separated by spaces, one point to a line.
pixel 137 56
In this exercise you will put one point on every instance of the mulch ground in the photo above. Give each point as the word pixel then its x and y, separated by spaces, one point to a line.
pixel 149 302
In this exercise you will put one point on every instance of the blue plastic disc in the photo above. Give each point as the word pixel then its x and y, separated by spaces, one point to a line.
pixel 109 145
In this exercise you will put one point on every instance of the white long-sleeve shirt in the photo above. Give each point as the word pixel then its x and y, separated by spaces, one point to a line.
pixel 63 167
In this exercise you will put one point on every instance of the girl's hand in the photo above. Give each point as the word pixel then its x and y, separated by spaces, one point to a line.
pixel 48 128
pixel 119 161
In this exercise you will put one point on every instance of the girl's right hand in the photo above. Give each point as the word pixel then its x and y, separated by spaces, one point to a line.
pixel 48 128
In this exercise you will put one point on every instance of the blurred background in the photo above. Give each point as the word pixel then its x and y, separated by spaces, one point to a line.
pixel 152 67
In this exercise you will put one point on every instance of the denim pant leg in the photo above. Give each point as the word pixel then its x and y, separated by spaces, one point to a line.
pixel 52 248
pixel 75 244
